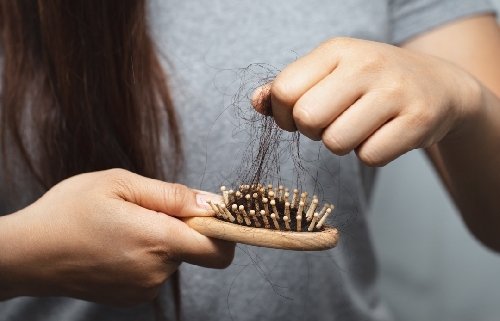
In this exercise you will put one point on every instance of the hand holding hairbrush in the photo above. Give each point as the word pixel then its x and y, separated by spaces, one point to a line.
pixel 263 216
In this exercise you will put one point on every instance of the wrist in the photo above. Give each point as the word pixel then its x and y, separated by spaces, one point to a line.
pixel 9 286
pixel 18 270
pixel 471 104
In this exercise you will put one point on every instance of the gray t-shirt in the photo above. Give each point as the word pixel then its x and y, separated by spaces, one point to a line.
pixel 205 45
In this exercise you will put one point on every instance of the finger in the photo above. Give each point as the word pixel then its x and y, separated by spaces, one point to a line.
pixel 328 99
pixel 261 100
pixel 156 195
pixel 357 123
pixel 297 79
pixel 392 140
pixel 189 246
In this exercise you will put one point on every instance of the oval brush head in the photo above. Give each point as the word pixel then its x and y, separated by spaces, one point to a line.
pixel 260 216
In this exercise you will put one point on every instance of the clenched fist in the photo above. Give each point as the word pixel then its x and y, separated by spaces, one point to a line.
pixel 379 100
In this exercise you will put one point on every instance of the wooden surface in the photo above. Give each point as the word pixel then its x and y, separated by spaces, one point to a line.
pixel 287 240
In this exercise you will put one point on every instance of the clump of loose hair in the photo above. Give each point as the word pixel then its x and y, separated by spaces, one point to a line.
pixel 267 146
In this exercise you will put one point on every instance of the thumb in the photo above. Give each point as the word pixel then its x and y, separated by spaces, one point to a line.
pixel 169 198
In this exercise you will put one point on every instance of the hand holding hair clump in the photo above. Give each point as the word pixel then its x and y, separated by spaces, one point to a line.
pixel 376 99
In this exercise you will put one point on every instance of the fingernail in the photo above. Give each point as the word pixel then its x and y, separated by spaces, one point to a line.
pixel 201 199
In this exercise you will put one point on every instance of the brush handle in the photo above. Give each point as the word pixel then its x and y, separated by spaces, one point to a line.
pixel 286 240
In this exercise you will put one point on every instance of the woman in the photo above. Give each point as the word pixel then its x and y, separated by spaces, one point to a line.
pixel 104 237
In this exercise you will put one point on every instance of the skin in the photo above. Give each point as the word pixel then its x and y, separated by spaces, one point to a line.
pixel 438 92
pixel 110 237
pixel 113 237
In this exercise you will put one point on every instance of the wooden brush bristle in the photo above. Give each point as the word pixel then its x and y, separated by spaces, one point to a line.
pixel 260 207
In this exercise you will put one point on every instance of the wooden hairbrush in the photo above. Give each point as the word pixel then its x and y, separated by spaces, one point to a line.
pixel 260 216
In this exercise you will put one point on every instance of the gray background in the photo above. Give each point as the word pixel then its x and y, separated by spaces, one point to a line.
pixel 431 267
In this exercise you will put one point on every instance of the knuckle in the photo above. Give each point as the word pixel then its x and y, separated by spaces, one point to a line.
pixel 374 61
pixel 118 176
pixel 395 85
pixel 171 253
pixel 420 116
pixel 371 157
pixel 337 41
pixel 303 117
pixel 283 92
pixel 424 142
pixel 177 195
pixel 170 256
pixel 117 172
pixel 118 181
pixel 335 143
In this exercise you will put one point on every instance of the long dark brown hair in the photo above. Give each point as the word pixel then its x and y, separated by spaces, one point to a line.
pixel 83 90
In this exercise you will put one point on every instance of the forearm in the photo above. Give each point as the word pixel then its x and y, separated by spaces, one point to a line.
pixel 471 169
